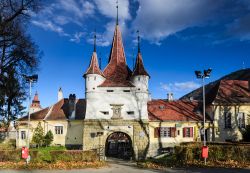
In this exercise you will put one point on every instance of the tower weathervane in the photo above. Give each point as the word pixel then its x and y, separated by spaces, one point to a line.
pixel 138 39
pixel 95 41
pixel 117 12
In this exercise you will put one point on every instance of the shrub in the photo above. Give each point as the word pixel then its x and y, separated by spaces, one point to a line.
pixel 77 155
pixel 217 152
pixel 38 137
pixel 48 138
pixel 45 155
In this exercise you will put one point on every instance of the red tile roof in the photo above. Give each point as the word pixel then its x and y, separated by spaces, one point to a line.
pixel 117 72
pixel 94 66
pixel 139 67
pixel 59 111
pixel 178 110
pixel 229 92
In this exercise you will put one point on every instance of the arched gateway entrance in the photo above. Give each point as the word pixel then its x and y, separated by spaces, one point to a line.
pixel 119 145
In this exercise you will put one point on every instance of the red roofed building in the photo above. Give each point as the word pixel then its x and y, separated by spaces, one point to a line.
pixel 118 113
pixel 228 105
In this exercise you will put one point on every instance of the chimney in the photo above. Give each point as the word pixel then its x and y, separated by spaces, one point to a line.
pixel 170 97
pixel 60 94
pixel 72 106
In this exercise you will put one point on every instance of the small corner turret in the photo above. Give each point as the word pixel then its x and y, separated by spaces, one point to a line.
pixel 140 76
pixel 93 76
pixel 35 105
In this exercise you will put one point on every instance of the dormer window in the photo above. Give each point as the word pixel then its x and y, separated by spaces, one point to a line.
pixel 126 91
pixel 109 91
pixel 162 107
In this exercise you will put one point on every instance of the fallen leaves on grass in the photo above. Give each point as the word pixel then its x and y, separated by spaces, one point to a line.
pixel 196 163
pixel 57 165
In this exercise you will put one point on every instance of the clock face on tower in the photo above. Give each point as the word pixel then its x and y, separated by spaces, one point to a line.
pixel 116 111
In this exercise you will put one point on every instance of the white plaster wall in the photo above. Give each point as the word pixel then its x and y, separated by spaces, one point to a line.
pixel 222 133
pixel 155 142
pixel 92 81
pixel 141 81
pixel 98 99
pixel 101 100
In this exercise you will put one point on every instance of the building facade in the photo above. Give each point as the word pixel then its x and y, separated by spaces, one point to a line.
pixel 118 115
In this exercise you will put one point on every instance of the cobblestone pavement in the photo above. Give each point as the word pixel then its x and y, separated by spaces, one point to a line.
pixel 116 166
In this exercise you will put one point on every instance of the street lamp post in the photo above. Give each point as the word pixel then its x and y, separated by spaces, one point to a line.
pixel 30 80
pixel 200 75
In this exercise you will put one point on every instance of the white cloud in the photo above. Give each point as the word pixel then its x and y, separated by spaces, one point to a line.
pixel 108 8
pixel 48 25
pixel 160 18
pixel 77 37
pixel 180 86
pixel 78 10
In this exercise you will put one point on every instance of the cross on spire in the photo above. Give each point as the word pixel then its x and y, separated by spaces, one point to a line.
pixel 138 40
pixel 117 12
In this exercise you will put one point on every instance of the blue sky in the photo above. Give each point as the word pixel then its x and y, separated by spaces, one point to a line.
pixel 178 37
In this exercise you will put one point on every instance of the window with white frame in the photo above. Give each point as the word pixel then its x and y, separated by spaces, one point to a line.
pixel 241 120
pixel 58 130
pixel 165 132
pixel 227 118
pixel 23 134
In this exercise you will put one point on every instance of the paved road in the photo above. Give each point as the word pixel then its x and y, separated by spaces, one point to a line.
pixel 130 167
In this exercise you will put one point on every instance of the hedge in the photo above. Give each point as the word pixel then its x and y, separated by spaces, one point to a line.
pixel 49 156
pixel 217 152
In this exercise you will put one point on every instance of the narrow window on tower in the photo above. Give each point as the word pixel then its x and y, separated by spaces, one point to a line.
pixel 131 112
pixel 139 78
pixel 105 112
pixel 95 78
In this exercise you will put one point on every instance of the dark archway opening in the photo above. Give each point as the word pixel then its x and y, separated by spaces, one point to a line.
pixel 119 145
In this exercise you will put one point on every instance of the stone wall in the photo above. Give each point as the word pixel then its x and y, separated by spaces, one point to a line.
pixel 136 130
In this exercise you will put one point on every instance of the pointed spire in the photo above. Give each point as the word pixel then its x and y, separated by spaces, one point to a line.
pixel 35 101
pixel 138 40
pixel 35 97
pixel 35 105
pixel 117 19
pixel 117 72
pixel 94 66
pixel 139 67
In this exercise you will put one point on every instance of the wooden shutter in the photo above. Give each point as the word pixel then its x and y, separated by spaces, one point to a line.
pixel 157 132
pixel 191 131
pixel 173 131
pixel 184 132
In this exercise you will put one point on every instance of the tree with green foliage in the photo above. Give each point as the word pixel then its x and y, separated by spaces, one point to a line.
pixel 246 134
pixel 18 55
pixel 38 136
pixel 48 138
